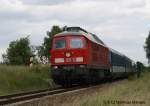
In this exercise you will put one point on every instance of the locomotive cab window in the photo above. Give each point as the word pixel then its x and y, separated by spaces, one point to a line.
pixel 59 43
pixel 76 43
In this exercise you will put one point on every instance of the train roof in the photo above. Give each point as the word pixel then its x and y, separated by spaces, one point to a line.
pixel 116 52
pixel 79 31
pixel 92 37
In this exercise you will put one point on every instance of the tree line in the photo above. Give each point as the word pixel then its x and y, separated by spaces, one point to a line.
pixel 20 50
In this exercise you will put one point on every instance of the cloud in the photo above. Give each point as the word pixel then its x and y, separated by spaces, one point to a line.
pixel 43 2
pixel 121 24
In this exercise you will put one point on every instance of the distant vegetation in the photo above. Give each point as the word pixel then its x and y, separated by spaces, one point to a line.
pixel 147 47
pixel 18 52
pixel 15 79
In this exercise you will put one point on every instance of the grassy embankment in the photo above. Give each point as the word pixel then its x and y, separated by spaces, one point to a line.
pixel 132 92
pixel 14 79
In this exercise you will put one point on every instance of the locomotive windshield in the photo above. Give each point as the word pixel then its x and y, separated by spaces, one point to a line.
pixel 60 43
pixel 76 43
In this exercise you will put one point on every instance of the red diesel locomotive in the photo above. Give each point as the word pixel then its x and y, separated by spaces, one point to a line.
pixel 78 56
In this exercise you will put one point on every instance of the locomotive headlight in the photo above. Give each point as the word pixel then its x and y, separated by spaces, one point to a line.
pixel 55 67
pixel 68 54
pixel 79 59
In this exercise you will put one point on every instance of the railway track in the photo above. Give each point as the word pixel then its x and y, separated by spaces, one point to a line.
pixel 14 98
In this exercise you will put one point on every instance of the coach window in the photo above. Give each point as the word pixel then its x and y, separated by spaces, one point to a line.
pixel 76 43
pixel 59 44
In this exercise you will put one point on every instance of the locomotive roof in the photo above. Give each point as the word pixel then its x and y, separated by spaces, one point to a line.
pixel 79 31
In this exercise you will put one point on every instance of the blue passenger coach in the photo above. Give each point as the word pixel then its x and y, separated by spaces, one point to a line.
pixel 120 64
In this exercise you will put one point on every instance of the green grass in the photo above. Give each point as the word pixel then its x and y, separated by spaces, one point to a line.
pixel 14 79
pixel 125 91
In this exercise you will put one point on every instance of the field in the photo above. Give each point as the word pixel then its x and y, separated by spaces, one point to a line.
pixel 130 92
pixel 14 79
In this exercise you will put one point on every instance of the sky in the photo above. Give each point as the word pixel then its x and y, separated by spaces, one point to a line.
pixel 122 24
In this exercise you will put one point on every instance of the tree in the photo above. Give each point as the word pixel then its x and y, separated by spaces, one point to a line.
pixel 140 68
pixel 147 47
pixel 5 59
pixel 46 46
pixel 18 52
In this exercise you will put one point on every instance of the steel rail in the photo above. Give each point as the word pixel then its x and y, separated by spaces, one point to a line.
pixel 12 98
pixel 9 99
pixel 26 93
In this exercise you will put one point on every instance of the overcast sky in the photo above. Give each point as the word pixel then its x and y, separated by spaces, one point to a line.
pixel 121 24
